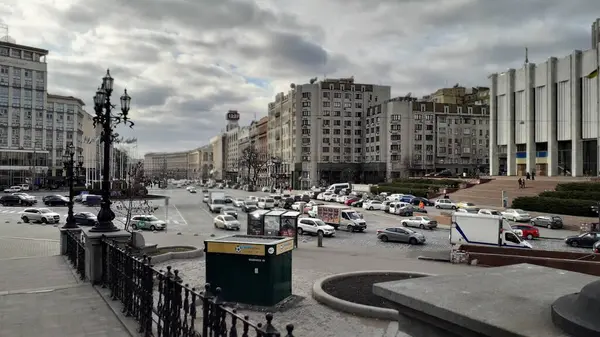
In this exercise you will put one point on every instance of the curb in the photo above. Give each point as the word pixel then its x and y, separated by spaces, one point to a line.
pixel 192 254
pixel 427 258
pixel 354 308
pixel 547 238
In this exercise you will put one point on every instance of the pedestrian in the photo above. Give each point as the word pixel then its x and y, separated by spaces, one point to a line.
pixel 520 183
pixel 527 175
pixel 533 175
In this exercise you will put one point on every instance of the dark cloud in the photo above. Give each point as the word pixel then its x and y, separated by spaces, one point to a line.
pixel 152 96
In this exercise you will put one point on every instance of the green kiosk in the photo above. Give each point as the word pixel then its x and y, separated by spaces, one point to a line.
pixel 250 269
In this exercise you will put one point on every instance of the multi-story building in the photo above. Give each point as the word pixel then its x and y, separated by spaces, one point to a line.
pixel 461 96
pixel 243 142
pixel 544 117
pixel 477 96
pixel 405 136
pixel 200 163
pixel 259 136
pixel 231 146
pixel 166 165
pixel 217 144
pixel 326 127
pixel 25 150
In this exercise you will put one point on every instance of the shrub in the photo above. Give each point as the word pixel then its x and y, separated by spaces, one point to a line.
pixel 555 205
pixel 437 182
pixel 433 188
pixel 581 186
pixel 575 195
pixel 400 189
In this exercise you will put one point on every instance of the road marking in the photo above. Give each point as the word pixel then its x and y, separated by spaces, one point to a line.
pixel 181 216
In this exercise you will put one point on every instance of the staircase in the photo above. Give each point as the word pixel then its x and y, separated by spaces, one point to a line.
pixel 490 193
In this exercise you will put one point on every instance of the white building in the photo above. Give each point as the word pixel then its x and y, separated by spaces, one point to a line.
pixel 544 117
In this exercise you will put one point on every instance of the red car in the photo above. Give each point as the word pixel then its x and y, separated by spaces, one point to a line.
pixel 529 232
pixel 350 201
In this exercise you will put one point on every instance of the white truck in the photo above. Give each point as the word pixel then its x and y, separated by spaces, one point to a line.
pixel 483 229
pixel 216 201
pixel 340 216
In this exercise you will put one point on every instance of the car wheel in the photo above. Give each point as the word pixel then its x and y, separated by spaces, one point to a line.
pixel 574 244
pixel 349 228
pixel 454 208
pixel 438 207
pixel 44 220
pixel 134 227
pixel 421 226
pixel 549 226
pixel 152 228
pixel 403 223
pixel 412 241
pixel 529 237
pixel 300 231
pixel 25 219
pixel 532 223
pixel 384 238
pixel 371 208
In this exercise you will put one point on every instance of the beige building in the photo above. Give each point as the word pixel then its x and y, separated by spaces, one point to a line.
pixel 217 145
pixel 200 162
pixel 461 95
pixel 166 165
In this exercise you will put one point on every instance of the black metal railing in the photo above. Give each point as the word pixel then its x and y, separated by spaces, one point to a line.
pixel 76 251
pixel 165 307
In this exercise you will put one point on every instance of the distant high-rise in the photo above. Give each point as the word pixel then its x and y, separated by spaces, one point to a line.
pixel 595 33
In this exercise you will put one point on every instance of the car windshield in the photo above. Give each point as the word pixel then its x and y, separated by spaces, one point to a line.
pixel 250 203
pixel 410 231
pixel 269 200
pixel 277 198
pixel 376 202
pixel 88 214
pixel 229 209
pixel 556 218
pixel 44 210
pixel 151 218
pixel 469 204
pixel 520 211
pixel 353 215
pixel 426 218
pixel 218 202
pixel 228 218
pixel 319 222
pixel 239 199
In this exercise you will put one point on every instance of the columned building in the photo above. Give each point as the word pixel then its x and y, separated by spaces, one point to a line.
pixel 544 117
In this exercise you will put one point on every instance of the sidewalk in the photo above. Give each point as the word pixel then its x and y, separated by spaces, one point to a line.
pixel 41 296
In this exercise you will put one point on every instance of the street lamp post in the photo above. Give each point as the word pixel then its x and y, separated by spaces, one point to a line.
pixel 72 165
pixel 107 120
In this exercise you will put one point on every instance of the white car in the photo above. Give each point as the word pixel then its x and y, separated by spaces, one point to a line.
pixel 296 206
pixel 205 199
pixel 394 197
pixel 13 189
pixel 42 215
pixel 314 226
pixel 445 204
pixel 26 196
pixel 265 189
pixel 226 222
pixel 330 197
pixel 238 202
pixel 516 215
pixel 487 211
pixel 253 198
pixel 266 203
pixel 372 205
pixel 340 199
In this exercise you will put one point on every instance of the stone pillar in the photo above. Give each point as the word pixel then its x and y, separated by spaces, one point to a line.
pixel 551 114
pixel 93 251
pixel 493 149
pixel 63 238
pixel 576 141
pixel 530 113
pixel 511 148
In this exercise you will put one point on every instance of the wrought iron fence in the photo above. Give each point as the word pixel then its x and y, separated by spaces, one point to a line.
pixel 76 251
pixel 165 307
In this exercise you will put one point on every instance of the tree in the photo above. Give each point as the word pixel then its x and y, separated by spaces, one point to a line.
pixel 252 162
pixel 134 193
pixel 408 165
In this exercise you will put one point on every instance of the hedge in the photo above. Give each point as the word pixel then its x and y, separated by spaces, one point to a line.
pixel 583 186
pixel 555 206
pixel 438 182
pixel 434 188
pixel 400 189
pixel 575 195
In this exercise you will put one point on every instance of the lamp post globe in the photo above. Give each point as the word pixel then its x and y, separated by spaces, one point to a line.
pixel 107 119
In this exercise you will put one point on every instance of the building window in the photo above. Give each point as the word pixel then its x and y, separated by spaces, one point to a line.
pixel 484 111
pixel 446 109
pixel 470 110
pixel 326 104
pixel 15 53
pixel 306 104
pixel 423 107
pixel 459 109
pixel 306 95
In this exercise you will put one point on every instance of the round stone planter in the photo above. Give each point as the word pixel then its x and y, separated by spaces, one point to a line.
pixel 322 296
pixel 177 252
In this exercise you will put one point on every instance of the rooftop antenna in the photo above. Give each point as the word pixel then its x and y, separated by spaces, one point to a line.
pixel 4 33
pixel 526 55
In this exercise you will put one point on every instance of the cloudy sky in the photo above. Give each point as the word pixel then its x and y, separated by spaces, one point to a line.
pixel 186 62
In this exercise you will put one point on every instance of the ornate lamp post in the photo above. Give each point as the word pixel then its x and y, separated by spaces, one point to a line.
pixel 72 166
pixel 107 120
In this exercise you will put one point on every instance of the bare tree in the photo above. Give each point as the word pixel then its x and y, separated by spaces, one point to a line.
pixel 134 193
pixel 408 165
pixel 252 162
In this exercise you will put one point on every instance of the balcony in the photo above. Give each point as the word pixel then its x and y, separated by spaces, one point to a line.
pixel 70 111
pixel 16 84
pixel 39 87
pixel 39 125
pixel 27 86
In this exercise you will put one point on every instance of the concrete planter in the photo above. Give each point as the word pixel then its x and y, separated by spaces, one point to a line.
pixel 190 254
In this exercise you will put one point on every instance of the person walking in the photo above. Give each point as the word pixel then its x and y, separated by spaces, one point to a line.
pixel 520 183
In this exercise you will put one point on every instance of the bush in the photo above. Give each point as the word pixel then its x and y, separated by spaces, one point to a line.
pixel 575 195
pixel 555 205
pixel 433 188
pixel 582 186
pixel 436 182
pixel 400 189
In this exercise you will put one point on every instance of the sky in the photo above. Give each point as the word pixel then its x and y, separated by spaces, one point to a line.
pixel 185 63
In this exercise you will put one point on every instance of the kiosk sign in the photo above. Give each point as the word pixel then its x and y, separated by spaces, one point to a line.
pixel 285 247
pixel 235 248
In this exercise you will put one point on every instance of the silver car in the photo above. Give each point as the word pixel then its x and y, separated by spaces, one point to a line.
pixel 42 215
pixel 229 211
pixel 399 234
pixel 226 222
pixel 420 222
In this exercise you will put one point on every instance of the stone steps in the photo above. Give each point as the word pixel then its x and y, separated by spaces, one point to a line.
pixel 490 193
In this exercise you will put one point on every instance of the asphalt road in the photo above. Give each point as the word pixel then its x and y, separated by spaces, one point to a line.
pixel 193 217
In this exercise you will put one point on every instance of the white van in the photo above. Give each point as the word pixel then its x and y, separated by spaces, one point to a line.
pixel 24 187
pixel 337 187
pixel 398 207
pixel 266 203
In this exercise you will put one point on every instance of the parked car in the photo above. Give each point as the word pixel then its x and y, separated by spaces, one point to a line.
pixel 351 200
pixel 85 219
pixel 372 205
pixel 445 204
pixel 420 222
pixel 205 199
pixel 527 231
pixel 358 203
pixel 469 206
pixel 56 200
pixel 13 189
pixel 249 206
pixel 15 200
pixel 401 208
pixel 314 226
pixel 146 221
pixel 586 240
pixel 417 200
pixel 238 202
pixel 42 215
pixel 596 247
pixel 399 234
pixel 516 215
pixel 297 205
pixel 228 210
pixel 26 196
pixel 548 221
pixel 488 211
pixel 57 196
pixel 192 190
pixel 226 222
